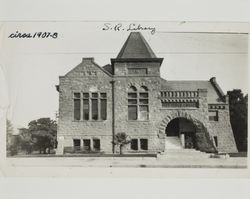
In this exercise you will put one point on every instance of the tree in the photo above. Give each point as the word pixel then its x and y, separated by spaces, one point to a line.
pixel 238 117
pixel 43 132
pixel 26 140
pixel 12 142
pixel 121 139
pixel 9 131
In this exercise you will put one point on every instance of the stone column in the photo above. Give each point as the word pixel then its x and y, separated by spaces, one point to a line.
pixel 91 144
pixel 203 105
pixel 182 138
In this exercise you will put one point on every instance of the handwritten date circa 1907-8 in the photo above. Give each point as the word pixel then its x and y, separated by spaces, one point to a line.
pixel 18 34
pixel 129 27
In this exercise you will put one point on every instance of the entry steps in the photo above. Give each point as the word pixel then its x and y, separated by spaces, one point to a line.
pixel 173 143
pixel 174 149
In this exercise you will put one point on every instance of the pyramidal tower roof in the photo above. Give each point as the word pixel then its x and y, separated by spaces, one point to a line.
pixel 136 47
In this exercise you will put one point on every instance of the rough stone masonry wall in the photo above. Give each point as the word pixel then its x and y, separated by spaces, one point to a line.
pixel 223 130
pixel 138 129
pixel 85 77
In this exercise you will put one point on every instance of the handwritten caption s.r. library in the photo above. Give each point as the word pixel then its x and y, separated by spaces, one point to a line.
pixel 34 35
pixel 128 27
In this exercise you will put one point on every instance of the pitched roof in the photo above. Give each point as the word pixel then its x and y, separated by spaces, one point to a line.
pixel 136 47
pixel 85 62
pixel 108 68
pixel 213 96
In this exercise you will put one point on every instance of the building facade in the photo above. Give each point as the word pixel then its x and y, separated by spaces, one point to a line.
pixel 129 96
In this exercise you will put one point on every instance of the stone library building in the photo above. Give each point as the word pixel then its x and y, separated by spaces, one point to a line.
pixel 129 96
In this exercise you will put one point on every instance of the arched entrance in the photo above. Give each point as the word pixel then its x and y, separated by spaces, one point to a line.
pixel 203 139
pixel 180 133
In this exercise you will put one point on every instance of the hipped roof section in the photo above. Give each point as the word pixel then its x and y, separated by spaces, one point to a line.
pixel 136 47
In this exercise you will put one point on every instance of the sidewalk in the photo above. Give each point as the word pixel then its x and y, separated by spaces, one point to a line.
pixel 151 162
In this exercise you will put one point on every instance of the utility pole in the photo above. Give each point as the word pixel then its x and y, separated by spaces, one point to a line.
pixel 113 115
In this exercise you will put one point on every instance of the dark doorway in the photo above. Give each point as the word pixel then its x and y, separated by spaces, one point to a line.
pixel 182 129
pixel 173 128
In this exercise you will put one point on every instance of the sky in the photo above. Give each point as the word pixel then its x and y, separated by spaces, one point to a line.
pixel 30 67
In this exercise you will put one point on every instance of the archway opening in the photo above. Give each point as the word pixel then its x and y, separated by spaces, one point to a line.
pixel 180 133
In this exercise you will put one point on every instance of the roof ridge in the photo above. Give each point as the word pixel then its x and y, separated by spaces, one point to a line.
pixel 123 47
pixel 145 43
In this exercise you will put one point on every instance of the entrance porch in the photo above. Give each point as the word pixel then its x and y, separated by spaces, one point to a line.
pixel 180 134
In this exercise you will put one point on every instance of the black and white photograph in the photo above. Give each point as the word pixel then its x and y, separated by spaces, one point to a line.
pixel 124 99
pixel 125 94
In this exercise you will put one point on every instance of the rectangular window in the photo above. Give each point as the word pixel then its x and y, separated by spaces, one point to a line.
pixel 132 112
pixel 77 144
pixel 132 95
pixel 213 115
pixel 85 95
pixel 94 109
pixel 143 106
pixel 103 95
pixel 103 104
pixel 77 108
pixel 138 105
pixel 216 141
pixel 144 144
pixel 132 101
pixel 143 112
pixel 94 102
pixel 94 95
pixel 96 144
pixel 86 144
pixel 144 95
pixel 103 109
pixel 77 95
pixel 143 101
pixel 85 109
pixel 134 144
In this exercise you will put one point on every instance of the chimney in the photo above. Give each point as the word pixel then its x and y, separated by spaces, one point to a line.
pixel 88 59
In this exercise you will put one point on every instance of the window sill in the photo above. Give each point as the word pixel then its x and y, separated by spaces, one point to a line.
pixel 179 108
pixel 138 151
pixel 138 120
pixel 89 120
